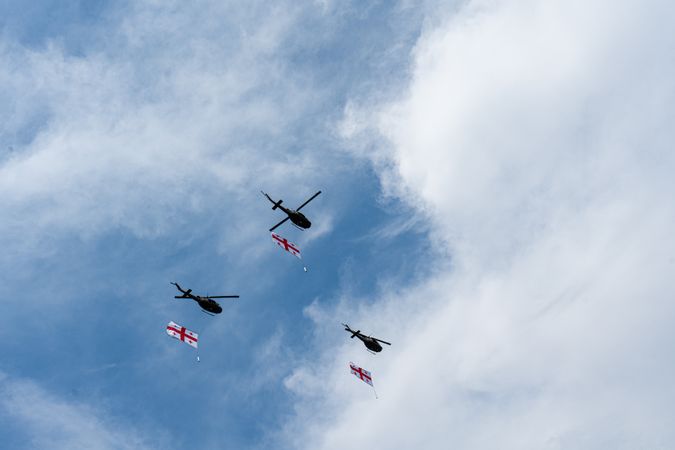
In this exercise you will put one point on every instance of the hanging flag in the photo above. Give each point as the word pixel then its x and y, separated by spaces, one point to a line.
pixel 363 374
pixel 288 246
pixel 182 333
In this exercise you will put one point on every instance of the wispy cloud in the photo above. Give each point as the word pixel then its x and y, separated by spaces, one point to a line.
pixel 45 420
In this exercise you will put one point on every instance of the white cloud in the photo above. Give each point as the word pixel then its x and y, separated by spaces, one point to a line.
pixel 536 139
pixel 48 421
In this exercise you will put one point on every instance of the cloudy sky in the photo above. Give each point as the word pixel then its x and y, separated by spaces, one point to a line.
pixel 497 202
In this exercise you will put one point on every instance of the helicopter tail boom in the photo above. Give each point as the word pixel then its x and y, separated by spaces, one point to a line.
pixel 275 204
pixel 184 293
pixel 347 328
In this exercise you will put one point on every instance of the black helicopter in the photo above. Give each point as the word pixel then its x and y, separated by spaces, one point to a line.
pixel 371 343
pixel 296 217
pixel 208 305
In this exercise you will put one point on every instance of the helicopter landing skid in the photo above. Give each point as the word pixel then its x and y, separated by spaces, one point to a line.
pixel 206 312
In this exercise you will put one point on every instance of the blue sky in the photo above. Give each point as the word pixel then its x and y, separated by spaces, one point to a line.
pixel 497 202
pixel 86 307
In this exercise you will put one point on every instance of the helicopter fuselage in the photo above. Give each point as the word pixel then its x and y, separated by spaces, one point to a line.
pixel 209 305
pixel 371 344
pixel 297 217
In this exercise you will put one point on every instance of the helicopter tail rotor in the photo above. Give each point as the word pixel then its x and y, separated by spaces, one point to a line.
pixel 277 204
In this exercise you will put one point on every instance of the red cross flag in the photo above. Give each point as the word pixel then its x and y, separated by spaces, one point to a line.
pixel 182 333
pixel 363 374
pixel 288 246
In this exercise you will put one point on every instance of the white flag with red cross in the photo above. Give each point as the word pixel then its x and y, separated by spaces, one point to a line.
pixel 182 334
pixel 286 245
pixel 363 374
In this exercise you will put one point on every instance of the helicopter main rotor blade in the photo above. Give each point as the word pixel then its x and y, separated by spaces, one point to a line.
pixel 380 340
pixel 222 296
pixel 275 226
pixel 310 199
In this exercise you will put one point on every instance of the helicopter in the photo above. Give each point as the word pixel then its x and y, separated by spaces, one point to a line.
pixel 295 215
pixel 371 343
pixel 208 305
